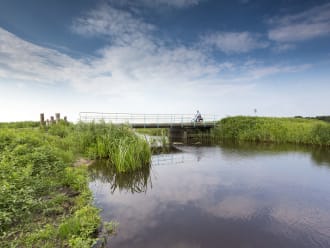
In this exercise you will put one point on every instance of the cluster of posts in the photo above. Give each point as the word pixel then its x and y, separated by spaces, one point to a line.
pixel 51 121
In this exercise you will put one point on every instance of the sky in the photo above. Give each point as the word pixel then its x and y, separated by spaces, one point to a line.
pixel 223 58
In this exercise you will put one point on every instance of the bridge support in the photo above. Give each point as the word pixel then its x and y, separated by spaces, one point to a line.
pixel 187 135
pixel 176 134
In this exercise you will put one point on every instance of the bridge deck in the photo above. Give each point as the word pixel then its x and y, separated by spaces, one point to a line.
pixel 173 125
pixel 150 120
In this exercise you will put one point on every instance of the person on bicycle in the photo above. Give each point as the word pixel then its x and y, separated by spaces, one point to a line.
pixel 198 117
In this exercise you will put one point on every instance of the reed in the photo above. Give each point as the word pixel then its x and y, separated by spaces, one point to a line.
pixel 120 144
pixel 274 130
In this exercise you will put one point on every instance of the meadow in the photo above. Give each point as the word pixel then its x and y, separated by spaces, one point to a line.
pixel 273 130
pixel 44 199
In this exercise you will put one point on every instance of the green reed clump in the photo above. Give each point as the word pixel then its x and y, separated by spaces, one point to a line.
pixel 120 144
pixel 274 130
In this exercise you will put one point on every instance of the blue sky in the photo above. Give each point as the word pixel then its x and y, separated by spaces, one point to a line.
pixel 164 56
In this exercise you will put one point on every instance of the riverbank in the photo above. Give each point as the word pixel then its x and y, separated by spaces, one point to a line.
pixel 44 199
pixel 273 130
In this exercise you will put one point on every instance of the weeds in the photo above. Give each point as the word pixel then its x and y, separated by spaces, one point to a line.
pixel 44 201
pixel 274 130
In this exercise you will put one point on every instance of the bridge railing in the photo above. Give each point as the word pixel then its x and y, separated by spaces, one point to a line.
pixel 127 118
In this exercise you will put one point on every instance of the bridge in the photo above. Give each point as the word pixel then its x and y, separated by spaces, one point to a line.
pixel 182 127
pixel 150 120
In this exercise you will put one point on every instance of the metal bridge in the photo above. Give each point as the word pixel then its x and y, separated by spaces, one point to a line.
pixel 150 120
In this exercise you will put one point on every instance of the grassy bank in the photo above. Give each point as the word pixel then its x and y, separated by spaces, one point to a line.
pixel 274 130
pixel 44 200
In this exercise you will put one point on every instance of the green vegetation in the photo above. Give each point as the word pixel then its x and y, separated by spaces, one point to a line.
pixel 274 130
pixel 20 124
pixel 44 200
pixel 126 151
pixel 322 118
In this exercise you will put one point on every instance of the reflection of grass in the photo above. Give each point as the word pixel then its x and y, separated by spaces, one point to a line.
pixel 135 182
pixel 274 130
pixel 319 154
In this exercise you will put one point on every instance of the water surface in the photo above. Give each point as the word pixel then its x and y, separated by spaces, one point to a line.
pixel 228 196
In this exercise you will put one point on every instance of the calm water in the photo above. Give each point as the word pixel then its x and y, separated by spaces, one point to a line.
pixel 227 196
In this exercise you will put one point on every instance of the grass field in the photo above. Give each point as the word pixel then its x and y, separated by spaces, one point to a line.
pixel 274 130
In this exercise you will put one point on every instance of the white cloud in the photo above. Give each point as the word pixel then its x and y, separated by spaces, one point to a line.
pixel 110 22
pixel 135 67
pixel 306 25
pixel 234 42
pixel 283 47
pixel 263 71
pixel 175 3
pixel 21 60
pixel 157 3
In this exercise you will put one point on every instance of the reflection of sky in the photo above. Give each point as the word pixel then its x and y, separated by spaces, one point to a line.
pixel 268 201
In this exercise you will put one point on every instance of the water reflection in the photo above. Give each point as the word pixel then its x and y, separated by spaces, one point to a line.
pixel 320 155
pixel 227 196
pixel 134 182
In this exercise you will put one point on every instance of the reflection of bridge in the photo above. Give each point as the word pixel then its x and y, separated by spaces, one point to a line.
pixel 149 120
pixel 180 125
pixel 167 159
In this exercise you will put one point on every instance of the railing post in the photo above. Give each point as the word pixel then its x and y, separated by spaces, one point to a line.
pixel 144 117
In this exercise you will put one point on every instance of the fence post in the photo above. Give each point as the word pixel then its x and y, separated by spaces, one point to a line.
pixel 157 120
pixel 42 119
pixel 58 117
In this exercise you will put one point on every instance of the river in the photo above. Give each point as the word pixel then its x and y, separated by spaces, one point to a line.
pixel 238 196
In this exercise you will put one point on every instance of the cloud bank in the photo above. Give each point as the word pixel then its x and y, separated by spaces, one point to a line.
pixel 135 65
pixel 234 42
pixel 306 25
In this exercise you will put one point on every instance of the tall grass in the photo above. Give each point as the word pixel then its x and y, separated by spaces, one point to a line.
pixel 274 130
pixel 120 144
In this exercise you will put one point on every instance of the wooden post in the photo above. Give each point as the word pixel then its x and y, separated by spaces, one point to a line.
pixel 58 117
pixel 65 119
pixel 42 119
pixel 52 121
